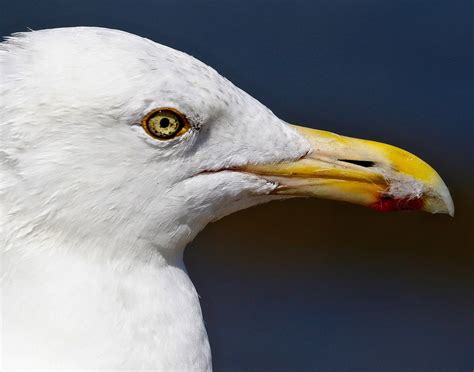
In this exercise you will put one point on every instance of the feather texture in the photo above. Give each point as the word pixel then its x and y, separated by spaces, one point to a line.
pixel 95 214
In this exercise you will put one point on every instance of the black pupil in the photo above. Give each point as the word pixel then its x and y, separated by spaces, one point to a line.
pixel 164 123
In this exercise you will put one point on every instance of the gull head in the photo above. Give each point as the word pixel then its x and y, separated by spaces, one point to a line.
pixel 107 135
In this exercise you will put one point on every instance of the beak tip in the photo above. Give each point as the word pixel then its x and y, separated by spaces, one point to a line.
pixel 440 201
pixel 448 202
pixel 446 198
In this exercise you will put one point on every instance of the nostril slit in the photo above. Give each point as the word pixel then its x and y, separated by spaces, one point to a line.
pixel 361 163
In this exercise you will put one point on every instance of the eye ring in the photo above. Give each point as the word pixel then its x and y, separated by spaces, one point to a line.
pixel 165 123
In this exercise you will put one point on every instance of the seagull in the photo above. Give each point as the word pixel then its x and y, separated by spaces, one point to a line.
pixel 115 152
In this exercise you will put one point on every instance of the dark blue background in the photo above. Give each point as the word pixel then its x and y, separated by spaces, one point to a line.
pixel 313 284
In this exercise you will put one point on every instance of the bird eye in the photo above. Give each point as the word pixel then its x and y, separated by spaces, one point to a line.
pixel 165 123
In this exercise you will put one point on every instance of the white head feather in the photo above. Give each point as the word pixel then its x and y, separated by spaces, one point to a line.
pixel 85 193
pixel 72 102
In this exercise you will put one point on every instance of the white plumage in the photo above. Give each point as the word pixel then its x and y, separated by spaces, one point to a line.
pixel 95 213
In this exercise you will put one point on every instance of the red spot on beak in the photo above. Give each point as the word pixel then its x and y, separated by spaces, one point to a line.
pixel 388 204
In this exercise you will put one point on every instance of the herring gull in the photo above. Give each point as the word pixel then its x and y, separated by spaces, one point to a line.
pixel 115 152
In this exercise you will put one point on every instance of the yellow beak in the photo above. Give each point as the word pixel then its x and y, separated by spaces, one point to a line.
pixel 363 172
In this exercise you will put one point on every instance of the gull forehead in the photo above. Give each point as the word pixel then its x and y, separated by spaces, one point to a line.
pixel 94 66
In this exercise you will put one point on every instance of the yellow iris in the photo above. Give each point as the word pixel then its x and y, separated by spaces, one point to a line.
pixel 165 123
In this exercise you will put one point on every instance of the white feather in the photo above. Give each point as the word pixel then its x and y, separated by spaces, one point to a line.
pixel 95 214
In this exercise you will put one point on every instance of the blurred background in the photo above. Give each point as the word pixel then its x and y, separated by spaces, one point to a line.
pixel 317 285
